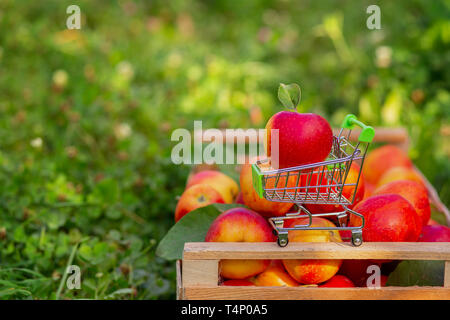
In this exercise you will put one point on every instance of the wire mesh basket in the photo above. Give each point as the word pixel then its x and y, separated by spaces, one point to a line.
pixel 317 183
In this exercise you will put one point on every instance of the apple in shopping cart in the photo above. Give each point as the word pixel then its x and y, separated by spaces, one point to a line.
pixel 225 185
pixel 414 192
pixel 312 271
pixel 275 276
pixel 294 139
pixel 197 196
pixel 348 191
pixel 240 225
pixel 381 159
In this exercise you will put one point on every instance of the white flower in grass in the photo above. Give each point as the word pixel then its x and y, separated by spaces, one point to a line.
pixel 125 70
pixel 122 131
pixel 36 143
pixel 383 56
pixel 60 78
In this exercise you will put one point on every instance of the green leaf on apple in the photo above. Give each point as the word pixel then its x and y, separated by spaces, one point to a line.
pixel 289 95
pixel 191 228
pixel 417 273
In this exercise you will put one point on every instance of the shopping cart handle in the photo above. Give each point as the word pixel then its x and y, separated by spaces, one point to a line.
pixel 367 132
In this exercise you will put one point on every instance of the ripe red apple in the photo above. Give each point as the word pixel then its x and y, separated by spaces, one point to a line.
pixel 368 189
pixel 312 271
pixel 435 233
pixel 338 281
pixel 379 160
pixel 238 283
pixel 195 197
pixel 225 185
pixel 275 275
pixel 431 222
pixel 239 199
pixel 356 270
pixel 251 199
pixel 383 280
pixel 347 191
pixel 412 191
pixel 240 225
pixel 399 173
pixel 302 138
pixel 388 218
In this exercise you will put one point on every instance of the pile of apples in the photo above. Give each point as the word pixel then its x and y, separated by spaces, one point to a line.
pixel 391 196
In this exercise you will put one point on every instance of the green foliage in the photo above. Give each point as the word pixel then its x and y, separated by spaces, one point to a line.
pixel 86 116
pixel 191 228
pixel 417 273
pixel 289 95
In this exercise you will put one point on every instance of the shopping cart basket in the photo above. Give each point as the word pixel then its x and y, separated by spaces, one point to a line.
pixel 317 183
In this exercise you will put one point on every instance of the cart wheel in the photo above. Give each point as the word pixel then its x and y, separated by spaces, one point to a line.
pixel 357 239
pixel 282 242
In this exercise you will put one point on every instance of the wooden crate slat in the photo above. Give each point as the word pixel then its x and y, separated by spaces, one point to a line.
pixel 200 273
pixel 308 293
pixel 179 283
pixel 316 250
pixel 447 274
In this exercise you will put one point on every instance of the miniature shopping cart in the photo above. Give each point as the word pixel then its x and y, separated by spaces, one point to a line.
pixel 317 183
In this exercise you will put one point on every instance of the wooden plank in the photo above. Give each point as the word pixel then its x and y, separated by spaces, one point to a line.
pixel 317 250
pixel 179 283
pixel 311 293
pixel 200 273
pixel 447 274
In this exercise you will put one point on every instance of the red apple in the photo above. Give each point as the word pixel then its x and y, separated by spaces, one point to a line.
pixel 226 186
pixel 239 199
pixel 435 233
pixel 412 191
pixel 274 276
pixel 302 138
pixel 388 218
pixel 383 280
pixel 356 271
pixel 338 281
pixel 195 197
pixel 240 225
pixel 399 173
pixel 238 283
pixel 431 222
pixel 380 160
pixel 347 191
pixel 312 271
pixel 368 189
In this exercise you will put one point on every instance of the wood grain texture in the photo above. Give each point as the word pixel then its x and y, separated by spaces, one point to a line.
pixel 179 283
pixel 447 274
pixel 308 293
pixel 317 250
pixel 200 273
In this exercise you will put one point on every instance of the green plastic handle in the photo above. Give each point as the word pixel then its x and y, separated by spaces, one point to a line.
pixel 367 132
pixel 257 178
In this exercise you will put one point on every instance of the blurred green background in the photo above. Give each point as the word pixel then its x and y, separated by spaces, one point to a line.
pixel 86 115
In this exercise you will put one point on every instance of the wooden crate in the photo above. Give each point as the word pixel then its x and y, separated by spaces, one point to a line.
pixel 198 273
